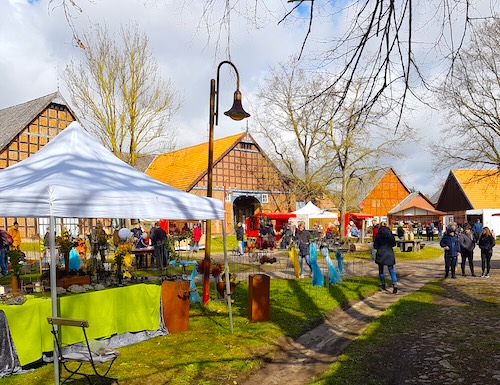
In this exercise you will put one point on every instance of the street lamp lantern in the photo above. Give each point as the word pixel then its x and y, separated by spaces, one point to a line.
pixel 236 113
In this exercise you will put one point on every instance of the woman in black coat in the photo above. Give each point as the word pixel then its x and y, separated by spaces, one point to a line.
pixel 384 243
pixel 486 243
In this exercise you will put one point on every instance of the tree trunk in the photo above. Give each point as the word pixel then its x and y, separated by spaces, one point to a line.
pixel 66 263
pixel 15 284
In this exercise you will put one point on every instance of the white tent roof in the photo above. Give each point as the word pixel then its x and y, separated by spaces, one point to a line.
pixel 309 208
pixel 325 215
pixel 311 211
pixel 75 176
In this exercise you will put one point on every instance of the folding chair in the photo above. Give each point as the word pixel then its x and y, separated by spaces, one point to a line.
pixel 26 270
pixel 87 354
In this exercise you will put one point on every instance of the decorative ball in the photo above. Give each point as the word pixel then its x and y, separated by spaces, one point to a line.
pixel 124 233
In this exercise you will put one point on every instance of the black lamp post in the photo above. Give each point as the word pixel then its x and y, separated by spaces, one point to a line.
pixel 236 113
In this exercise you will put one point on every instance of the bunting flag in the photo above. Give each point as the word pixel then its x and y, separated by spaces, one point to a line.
pixel 340 263
pixel 317 278
pixel 194 296
pixel 332 271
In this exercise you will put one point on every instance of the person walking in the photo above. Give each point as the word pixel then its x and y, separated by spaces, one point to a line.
pixel 375 228
pixel 486 243
pixel 451 247
pixel 303 239
pixel 384 243
pixel 467 244
pixel 430 231
pixel 195 247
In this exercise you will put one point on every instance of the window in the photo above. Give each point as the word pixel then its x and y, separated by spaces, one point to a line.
pixel 228 197
pixel 265 198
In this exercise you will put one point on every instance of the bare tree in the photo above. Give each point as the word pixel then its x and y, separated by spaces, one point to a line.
pixel 294 130
pixel 359 144
pixel 118 91
pixel 378 37
pixel 323 150
pixel 471 97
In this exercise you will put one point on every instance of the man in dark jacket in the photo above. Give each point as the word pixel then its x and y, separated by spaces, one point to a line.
pixel 158 242
pixel 451 247
pixel 384 243
pixel 240 237
pixel 467 244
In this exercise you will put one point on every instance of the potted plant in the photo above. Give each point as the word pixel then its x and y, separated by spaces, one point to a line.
pixel 16 257
pixel 65 243
pixel 121 252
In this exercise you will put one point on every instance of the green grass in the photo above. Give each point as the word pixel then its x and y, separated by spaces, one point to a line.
pixel 208 353
pixel 217 245
pixel 387 349
pixel 428 252
pixel 356 365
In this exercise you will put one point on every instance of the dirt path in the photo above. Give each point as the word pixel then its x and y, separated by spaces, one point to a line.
pixel 296 362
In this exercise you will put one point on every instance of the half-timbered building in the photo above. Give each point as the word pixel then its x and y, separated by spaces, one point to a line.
pixel 387 191
pixel 24 129
pixel 243 177
pixel 468 195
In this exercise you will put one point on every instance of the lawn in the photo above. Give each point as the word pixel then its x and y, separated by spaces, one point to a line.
pixel 209 354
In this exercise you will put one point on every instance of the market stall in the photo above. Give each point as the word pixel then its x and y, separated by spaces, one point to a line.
pixel 106 310
pixel 74 176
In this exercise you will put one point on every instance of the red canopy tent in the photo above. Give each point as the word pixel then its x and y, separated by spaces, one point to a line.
pixel 357 218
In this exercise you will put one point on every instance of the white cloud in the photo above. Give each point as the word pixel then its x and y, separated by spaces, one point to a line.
pixel 35 43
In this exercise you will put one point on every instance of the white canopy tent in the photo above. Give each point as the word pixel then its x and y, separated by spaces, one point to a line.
pixel 311 212
pixel 74 176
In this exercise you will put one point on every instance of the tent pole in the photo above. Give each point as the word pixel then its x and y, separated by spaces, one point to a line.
pixel 226 269
pixel 53 285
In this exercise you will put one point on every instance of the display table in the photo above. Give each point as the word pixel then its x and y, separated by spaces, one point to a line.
pixel 406 244
pixel 112 311
pixel 142 256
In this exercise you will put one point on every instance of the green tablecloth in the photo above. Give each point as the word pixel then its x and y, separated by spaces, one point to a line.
pixel 112 311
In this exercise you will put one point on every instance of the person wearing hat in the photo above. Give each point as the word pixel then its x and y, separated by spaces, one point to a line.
pixel 16 236
pixel 401 235
pixel 451 247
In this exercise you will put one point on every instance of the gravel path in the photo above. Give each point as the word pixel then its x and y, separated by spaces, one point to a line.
pixel 425 361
